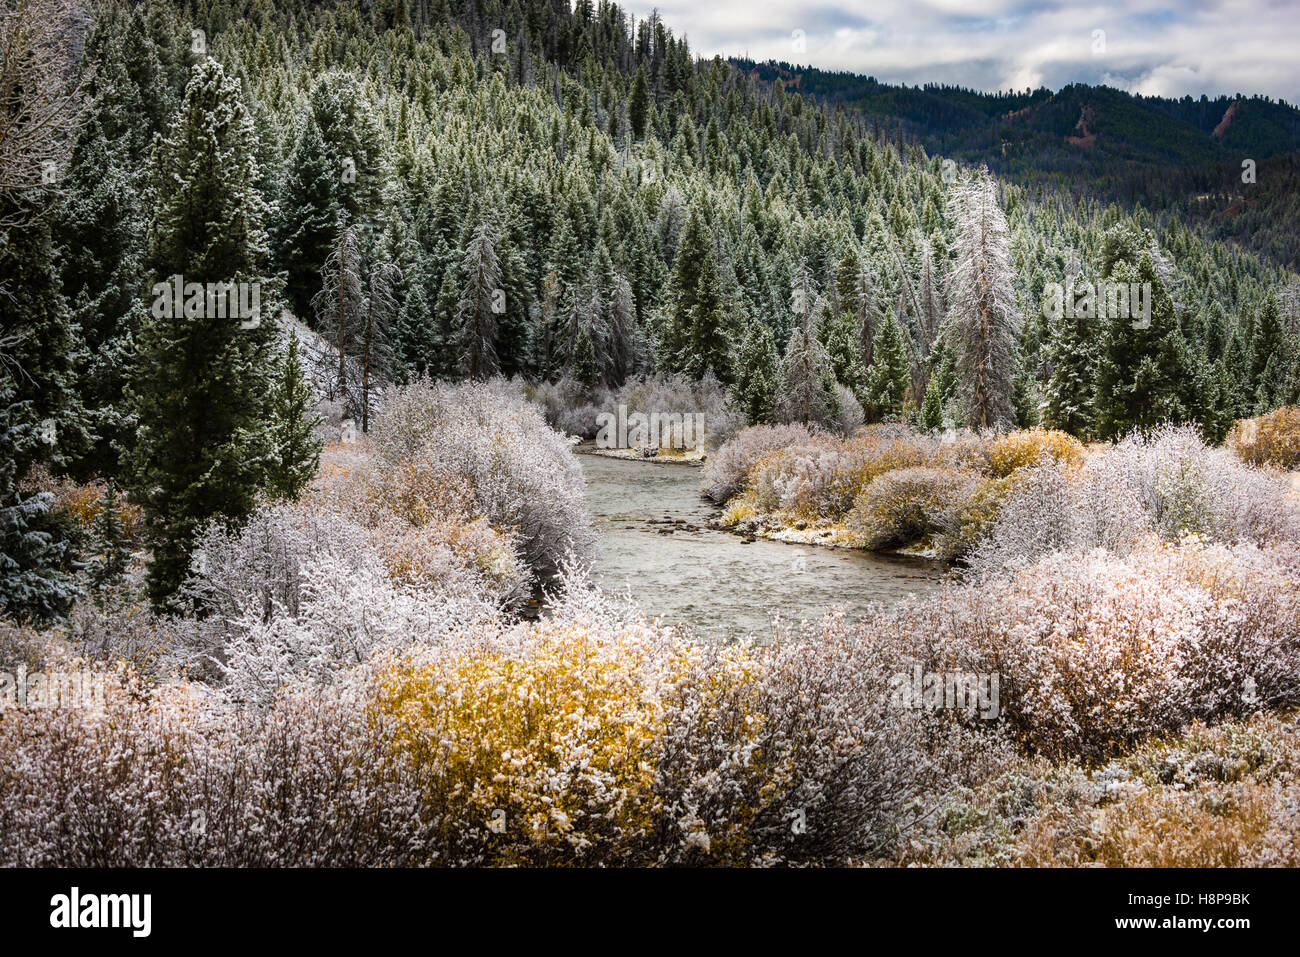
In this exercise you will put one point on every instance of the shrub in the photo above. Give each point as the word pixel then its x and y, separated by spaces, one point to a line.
pixel 297 593
pixel 1168 482
pixel 483 437
pixel 727 470
pixel 1031 448
pixel 906 505
pixel 1269 440
pixel 1097 652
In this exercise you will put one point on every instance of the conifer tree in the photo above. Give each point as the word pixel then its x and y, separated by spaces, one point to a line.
pixel 757 373
pixel 982 319
pixel 201 377
pixel 295 448
pixel 889 377
pixel 109 568
pixel 477 308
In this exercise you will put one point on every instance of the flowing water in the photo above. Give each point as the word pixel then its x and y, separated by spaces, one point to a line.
pixel 653 537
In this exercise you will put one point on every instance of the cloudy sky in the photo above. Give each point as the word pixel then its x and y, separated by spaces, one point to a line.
pixel 1163 47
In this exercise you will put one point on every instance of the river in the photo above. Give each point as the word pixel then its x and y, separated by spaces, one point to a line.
pixel 653 537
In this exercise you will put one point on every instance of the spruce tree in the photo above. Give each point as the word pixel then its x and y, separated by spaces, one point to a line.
pixel 202 374
pixel 295 448
pixel 307 217
pixel 477 308
pixel 889 377
pixel 757 375
pixel 109 567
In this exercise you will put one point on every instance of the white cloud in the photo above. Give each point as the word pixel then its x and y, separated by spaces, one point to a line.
pixel 1152 46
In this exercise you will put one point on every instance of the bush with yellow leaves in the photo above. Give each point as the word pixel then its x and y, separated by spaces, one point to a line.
pixel 539 754
pixel 1269 440
pixel 905 506
pixel 1031 448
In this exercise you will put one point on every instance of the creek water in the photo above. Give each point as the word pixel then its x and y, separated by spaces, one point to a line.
pixel 654 539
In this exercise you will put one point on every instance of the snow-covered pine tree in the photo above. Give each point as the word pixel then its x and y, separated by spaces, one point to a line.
pixel 34 560
pixel 807 385
pixel 201 379
pixel 477 307
pixel 983 322
pixel 757 371
pixel 890 376
pixel 295 449
pixel 306 224
pixel 339 306
pixel 379 313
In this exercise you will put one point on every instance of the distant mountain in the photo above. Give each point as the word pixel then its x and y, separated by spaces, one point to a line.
pixel 1167 154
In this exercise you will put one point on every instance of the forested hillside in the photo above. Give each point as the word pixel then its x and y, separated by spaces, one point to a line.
pixel 1185 156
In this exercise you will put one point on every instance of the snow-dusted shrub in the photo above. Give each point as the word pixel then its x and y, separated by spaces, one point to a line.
pixel 907 505
pixel 520 474
pixel 727 470
pixel 1097 651
pixel 297 592
pixel 1186 486
pixel 177 777
pixel 1054 510
pixel 966 520
pixel 805 482
pixel 1168 482
pixel 1269 440
pixel 849 412
pixel 587 738
pixel 790 752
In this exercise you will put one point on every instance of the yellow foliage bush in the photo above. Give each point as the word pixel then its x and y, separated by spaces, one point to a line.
pixel 83 504
pixel 1031 447
pixel 535 755
pixel 1269 440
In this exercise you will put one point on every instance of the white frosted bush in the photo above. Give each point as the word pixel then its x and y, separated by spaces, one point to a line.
pixel 726 470
pixel 1168 482
pixel 521 475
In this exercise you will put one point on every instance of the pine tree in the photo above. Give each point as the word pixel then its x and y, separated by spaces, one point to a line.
pixel 1270 360
pixel 201 378
pixel 477 307
pixel 757 374
pixel 1071 354
pixel 582 363
pixel 295 448
pixel 695 335
pixel 807 384
pixel 1144 372
pixel 340 308
pixel 379 313
pixel 108 570
pixel 932 406
pixel 35 583
pixel 307 221
pixel 889 377
pixel 638 108
pixel 982 319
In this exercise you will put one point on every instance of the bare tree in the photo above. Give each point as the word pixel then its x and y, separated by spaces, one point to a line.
pixel 379 312
pixel 340 304
pixel 40 96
